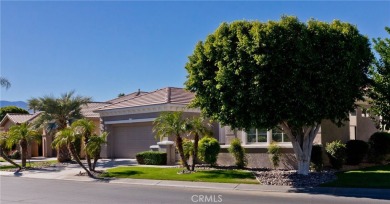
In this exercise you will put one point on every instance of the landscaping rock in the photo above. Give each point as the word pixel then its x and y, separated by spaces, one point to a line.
pixel 291 178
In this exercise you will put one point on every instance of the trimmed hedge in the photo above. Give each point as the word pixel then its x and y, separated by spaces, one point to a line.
pixel 336 152
pixel 152 158
pixel 356 151
pixel 208 150
pixel 379 143
pixel 238 153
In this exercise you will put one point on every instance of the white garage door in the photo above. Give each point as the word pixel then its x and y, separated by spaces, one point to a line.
pixel 131 139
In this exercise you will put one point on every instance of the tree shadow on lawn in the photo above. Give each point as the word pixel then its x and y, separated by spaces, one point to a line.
pixel 123 174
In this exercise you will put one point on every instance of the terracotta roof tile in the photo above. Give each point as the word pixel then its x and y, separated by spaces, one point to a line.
pixel 126 97
pixel 18 118
pixel 160 96
pixel 87 110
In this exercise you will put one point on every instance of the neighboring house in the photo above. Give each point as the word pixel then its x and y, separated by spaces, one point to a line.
pixel 129 122
pixel 11 119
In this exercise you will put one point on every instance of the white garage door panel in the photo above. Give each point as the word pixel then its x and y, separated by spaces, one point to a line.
pixel 129 140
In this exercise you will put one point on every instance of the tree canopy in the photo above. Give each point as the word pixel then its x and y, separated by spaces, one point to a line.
pixel 380 92
pixel 11 109
pixel 251 74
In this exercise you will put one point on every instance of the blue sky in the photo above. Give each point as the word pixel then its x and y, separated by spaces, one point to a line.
pixel 101 49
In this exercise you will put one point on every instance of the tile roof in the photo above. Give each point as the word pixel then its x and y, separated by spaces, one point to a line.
pixel 161 96
pixel 18 118
pixel 127 97
pixel 87 110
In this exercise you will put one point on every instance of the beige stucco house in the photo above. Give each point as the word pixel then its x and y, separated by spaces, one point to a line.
pixel 10 119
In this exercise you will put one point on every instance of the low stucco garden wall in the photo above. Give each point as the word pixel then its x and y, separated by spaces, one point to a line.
pixel 259 158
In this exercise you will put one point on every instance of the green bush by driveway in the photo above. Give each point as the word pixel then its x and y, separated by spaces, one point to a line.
pixel 219 176
pixel 371 177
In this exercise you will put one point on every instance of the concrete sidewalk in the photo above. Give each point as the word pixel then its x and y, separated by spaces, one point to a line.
pixel 70 171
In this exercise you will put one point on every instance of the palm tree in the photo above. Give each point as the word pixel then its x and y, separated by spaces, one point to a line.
pixel 58 113
pixel 66 137
pixel 33 104
pixel 3 147
pixel 5 83
pixel 23 135
pixel 94 147
pixel 198 127
pixel 85 128
pixel 172 124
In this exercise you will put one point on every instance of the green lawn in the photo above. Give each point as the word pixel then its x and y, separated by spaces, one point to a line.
pixel 371 177
pixel 29 165
pixel 219 176
pixel 1 159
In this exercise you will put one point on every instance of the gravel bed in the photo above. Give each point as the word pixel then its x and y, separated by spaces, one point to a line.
pixel 291 178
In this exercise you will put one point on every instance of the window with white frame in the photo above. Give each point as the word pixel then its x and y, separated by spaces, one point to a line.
pixel 260 136
pixel 279 136
pixel 256 135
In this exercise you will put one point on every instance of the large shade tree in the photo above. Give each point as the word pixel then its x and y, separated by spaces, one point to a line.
pixel 380 90
pixel 287 74
pixel 11 109
pixel 58 113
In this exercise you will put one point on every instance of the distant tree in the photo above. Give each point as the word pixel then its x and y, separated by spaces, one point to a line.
pixel 11 109
pixel 5 83
pixel 380 90
pixel 120 95
pixel 172 124
pixel 58 114
pixel 281 73
pixel 33 104
pixel 23 135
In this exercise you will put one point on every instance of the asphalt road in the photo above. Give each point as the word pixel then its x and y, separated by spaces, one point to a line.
pixel 28 190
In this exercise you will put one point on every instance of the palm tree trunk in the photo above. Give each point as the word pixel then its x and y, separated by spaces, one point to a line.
pixel 87 157
pixel 2 154
pixel 195 153
pixel 179 143
pixel 73 151
pixel 95 159
pixel 23 145
pixel 63 154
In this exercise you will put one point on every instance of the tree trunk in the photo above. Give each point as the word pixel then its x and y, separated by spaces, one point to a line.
pixel 302 143
pixel 73 151
pixel 95 159
pixel 179 143
pixel 195 153
pixel 87 157
pixel 2 154
pixel 23 146
pixel 63 154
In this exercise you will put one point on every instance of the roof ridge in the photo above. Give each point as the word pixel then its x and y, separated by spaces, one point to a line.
pixel 137 96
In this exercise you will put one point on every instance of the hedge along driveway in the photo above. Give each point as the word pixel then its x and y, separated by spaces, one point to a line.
pixel 158 173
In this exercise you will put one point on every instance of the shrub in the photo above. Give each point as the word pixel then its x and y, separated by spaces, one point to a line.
pixel 356 151
pixel 152 158
pixel 274 151
pixel 317 161
pixel 238 153
pixel 379 144
pixel 188 148
pixel 336 152
pixel 15 155
pixel 208 150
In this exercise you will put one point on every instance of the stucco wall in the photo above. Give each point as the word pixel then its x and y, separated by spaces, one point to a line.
pixel 365 127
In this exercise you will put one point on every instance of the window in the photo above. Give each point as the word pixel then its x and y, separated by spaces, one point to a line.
pixel 279 136
pixel 260 136
pixel 256 135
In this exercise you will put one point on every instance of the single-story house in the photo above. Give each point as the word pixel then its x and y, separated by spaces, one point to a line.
pixel 129 122
pixel 11 119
